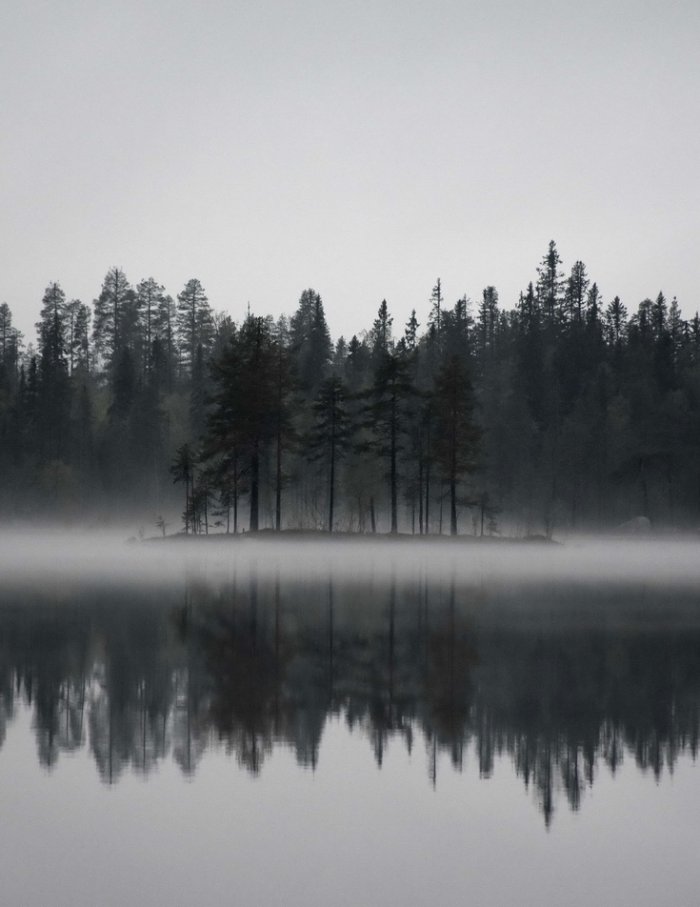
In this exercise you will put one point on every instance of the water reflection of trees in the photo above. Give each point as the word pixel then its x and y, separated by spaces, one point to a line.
pixel 251 666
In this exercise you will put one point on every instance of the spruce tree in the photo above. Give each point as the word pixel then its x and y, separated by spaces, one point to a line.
pixel 112 318
pixel 243 415
pixel 195 324
pixel 456 435
pixel 54 390
pixel 387 412
pixel 330 434
pixel 549 287
pixel 149 299
pixel 310 342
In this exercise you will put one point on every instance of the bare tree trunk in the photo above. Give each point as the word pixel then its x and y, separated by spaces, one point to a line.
pixel 453 506
pixel 427 498
pixel 331 490
pixel 254 481
pixel 187 505
pixel 394 517
pixel 420 495
pixel 278 481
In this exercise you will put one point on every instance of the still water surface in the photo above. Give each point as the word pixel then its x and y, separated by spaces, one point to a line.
pixel 252 740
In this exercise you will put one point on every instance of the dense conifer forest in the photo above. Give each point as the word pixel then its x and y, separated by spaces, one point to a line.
pixel 567 411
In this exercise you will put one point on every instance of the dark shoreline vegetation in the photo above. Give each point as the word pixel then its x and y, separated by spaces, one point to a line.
pixel 562 413
pixel 321 536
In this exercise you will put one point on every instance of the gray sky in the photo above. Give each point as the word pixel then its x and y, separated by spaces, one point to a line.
pixel 362 148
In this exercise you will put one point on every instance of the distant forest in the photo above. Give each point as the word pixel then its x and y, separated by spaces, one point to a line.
pixel 565 412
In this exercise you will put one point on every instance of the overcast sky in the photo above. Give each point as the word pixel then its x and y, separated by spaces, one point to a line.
pixel 360 148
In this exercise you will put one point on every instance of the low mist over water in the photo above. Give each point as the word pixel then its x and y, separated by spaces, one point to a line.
pixel 109 556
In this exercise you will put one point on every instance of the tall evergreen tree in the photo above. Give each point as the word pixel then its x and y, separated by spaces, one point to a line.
pixel 78 336
pixel 182 470
pixel 457 327
pixel 576 292
pixel 381 336
pixel 165 353
pixel 549 286
pixel 310 341
pixel 113 317
pixel 487 323
pixel 195 324
pixel 10 344
pixel 615 320
pixel 330 434
pixel 410 335
pixel 150 296
pixel 436 309
pixel 456 437
pixel 283 432
pixel 387 418
pixel 54 389
pixel 243 415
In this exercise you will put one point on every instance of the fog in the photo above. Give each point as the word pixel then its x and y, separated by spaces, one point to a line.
pixel 107 556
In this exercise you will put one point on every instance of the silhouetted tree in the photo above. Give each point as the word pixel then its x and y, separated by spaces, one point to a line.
pixel 182 470
pixel 195 324
pixel 456 435
pixel 330 434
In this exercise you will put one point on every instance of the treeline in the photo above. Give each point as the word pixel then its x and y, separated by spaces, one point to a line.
pixel 565 411
pixel 139 677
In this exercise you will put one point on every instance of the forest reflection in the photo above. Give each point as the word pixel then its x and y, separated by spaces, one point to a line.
pixel 563 681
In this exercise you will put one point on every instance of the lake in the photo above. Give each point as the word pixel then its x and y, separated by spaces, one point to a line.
pixel 372 724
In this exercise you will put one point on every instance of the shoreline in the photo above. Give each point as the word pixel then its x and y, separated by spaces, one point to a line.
pixel 320 535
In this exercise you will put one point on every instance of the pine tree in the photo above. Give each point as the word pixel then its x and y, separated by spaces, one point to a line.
pixel 113 317
pixel 529 347
pixel 310 342
pixel 182 470
pixel 329 438
pixel 10 344
pixel 54 390
pixel 549 286
pixel 594 303
pixel 357 365
pixel 487 323
pixel 615 320
pixel 51 328
pixel 195 323
pixel 576 290
pixel 436 306
pixel 77 336
pixel 6 331
pixel 150 297
pixel 387 418
pixel 457 326
pixel 243 416
pixel 283 432
pixel 164 349
pixel 410 335
pixel 456 436
pixel 381 335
